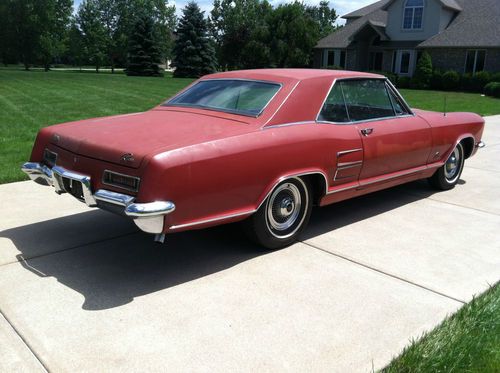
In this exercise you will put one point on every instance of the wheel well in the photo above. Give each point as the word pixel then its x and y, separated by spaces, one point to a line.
pixel 318 186
pixel 468 144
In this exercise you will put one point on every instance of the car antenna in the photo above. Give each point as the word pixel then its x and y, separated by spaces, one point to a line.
pixel 444 110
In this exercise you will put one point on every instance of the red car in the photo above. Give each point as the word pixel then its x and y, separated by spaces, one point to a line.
pixel 259 146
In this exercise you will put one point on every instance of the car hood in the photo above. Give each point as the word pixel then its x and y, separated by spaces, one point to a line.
pixel 128 139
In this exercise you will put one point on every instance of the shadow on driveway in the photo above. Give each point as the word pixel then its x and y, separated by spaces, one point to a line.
pixel 112 272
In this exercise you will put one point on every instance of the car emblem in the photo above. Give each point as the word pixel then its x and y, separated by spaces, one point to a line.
pixel 128 157
pixel 56 138
pixel 75 159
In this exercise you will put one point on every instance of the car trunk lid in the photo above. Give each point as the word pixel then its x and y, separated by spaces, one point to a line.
pixel 128 139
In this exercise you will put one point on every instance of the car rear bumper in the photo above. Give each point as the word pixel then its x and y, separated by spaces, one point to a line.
pixel 149 217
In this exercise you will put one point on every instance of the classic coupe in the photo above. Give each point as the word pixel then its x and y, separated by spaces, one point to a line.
pixel 257 146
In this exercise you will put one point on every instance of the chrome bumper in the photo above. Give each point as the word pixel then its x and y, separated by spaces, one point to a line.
pixel 147 216
pixel 480 145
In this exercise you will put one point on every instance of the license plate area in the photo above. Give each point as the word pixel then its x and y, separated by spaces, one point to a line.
pixel 73 187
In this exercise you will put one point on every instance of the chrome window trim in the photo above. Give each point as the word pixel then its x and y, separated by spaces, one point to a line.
pixel 119 186
pixel 283 102
pixel 387 81
pixel 235 112
pixel 290 124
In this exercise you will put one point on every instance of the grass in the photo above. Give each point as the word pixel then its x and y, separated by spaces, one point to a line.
pixel 468 341
pixel 455 101
pixel 30 100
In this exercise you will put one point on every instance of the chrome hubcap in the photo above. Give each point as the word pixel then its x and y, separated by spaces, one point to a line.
pixel 451 167
pixel 284 207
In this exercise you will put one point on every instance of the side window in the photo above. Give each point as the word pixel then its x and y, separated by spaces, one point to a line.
pixel 334 109
pixel 399 108
pixel 366 99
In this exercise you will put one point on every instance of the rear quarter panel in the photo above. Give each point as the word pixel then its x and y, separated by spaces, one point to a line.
pixel 233 175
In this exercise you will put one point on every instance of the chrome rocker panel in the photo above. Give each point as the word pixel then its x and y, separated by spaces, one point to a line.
pixel 147 216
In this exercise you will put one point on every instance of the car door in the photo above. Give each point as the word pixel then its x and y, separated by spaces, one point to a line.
pixel 393 138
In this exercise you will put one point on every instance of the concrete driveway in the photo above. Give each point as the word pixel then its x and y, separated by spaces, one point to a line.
pixel 83 290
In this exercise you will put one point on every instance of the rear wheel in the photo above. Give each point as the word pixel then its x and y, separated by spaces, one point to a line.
pixel 283 215
pixel 447 176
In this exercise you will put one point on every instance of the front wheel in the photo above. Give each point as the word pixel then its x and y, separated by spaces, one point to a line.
pixel 282 216
pixel 447 176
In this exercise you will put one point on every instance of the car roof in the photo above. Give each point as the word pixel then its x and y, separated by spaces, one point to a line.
pixel 288 75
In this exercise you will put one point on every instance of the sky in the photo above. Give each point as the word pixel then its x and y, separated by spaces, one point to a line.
pixel 341 6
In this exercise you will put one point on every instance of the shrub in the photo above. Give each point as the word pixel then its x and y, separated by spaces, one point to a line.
pixel 492 89
pixel 451 80
pixel 423 73
pixel 495 77
pixel 437 80
pixel 391 76
pixel 480 80
pixel 476 82
pixel 403 82
pixel 334 67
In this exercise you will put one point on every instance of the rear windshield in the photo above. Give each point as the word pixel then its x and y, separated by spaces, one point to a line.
pixel 243 97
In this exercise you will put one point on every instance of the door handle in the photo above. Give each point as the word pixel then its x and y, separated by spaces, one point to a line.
pixel 366 131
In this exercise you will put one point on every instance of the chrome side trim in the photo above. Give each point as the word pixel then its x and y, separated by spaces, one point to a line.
pixel 344 152
pixel 399 174
pixel 344 165
pixel 342 189
pixel 211 220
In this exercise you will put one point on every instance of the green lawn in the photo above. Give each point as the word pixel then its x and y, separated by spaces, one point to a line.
pixel 455 101
pixel 468 341
pixel 30 100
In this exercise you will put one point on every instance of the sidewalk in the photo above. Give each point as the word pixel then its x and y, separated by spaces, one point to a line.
pixel 84 290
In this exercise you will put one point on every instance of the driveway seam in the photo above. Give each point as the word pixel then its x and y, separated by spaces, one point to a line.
pixel 416 194
pixel 23 259
pixel 25 342
pixel 385 273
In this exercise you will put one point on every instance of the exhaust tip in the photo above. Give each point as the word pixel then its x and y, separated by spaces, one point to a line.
pixel 159 238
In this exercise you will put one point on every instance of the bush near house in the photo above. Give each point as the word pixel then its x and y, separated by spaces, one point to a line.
pixel 492 89
pixel 423 73
pixel 437 80
pixel 451 80
pixel 391 76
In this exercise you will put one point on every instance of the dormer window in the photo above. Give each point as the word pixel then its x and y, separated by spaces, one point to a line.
pixel 413 14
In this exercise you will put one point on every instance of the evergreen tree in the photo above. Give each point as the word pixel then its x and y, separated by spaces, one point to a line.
pixel 423 73
pixel 194 54
pixel 144 54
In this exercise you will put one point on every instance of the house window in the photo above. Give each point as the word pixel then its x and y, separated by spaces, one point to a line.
pixel 376 59
pixel 474 61
pixel 405 63
pixel 413 14
pixel 334 57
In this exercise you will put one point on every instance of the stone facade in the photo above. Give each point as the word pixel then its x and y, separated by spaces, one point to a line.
pixel 454 59
pixel 350 59
pixel 492 63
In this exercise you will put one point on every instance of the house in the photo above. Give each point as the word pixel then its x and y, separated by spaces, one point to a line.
pixel 390 35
